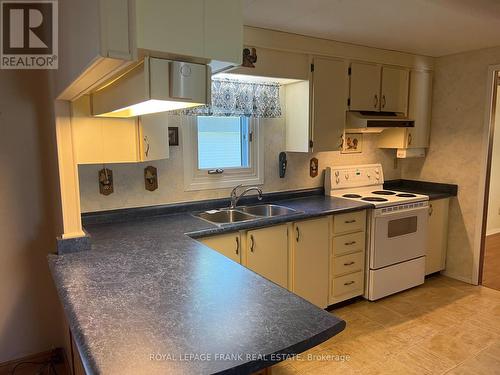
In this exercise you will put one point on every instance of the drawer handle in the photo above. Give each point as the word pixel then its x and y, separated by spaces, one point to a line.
pixel 349 243
pixel 237 245
pixel 350 221
pixel 349 263
pixel 349 283
pixel 251 243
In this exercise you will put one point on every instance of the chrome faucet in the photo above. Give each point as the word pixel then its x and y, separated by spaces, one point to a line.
pixel 235 197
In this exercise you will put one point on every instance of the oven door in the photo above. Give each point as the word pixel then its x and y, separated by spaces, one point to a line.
pixel 398 236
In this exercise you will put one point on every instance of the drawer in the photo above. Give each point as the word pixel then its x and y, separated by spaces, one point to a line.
pixel 350 222
pixel 348 263
pixel 348 283
pixel 348 243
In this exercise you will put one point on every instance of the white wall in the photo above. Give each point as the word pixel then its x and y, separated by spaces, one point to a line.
pixel 457 148
pixel 30 315
pixel 493 223
pixel 129 183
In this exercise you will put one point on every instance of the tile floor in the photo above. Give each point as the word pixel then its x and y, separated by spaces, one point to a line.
pixel 443 326
pixel 491 267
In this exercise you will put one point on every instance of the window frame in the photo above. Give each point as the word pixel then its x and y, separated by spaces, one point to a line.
pixel 199 179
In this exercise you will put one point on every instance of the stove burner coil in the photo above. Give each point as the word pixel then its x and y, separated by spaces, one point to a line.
pixel 406 195
pixel 383 192
pixel 351 196
pixel 374 199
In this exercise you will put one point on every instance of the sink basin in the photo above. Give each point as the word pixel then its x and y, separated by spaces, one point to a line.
pixel 267 210
pixel 225 216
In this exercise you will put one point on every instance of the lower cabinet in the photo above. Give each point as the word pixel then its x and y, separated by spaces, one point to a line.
pixel 267 253
pixel 309 260
pixel 347 256
pixel 437 236
pixel 226 244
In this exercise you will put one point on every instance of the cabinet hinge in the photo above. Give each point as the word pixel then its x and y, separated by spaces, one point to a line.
pixel 250 137
pixel 312 67
pixel 311 143
pixel 349 71
pixel 348 102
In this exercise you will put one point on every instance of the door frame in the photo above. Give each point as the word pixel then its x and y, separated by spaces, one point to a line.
pixel 484 184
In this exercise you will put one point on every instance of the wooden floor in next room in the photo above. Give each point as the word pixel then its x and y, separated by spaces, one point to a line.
pixel 442 327
pixel 491 266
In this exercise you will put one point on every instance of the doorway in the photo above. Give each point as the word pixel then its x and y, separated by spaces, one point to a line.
pixel 490 241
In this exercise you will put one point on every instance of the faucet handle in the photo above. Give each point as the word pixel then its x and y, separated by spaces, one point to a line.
pixel 233 192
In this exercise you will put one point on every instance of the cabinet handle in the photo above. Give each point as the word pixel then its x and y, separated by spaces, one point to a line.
pixel 237 245
pixel 251 243
pixel 298 234
pixel 383 101
pixel 375 101
pixel 147 146
pixel 349 263
pixel 349 243
pixel 431 210
pixel 350 221
pixel 409 139
pixel 349 283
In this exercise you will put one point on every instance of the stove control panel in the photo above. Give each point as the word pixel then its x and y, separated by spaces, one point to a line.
pixel 353 177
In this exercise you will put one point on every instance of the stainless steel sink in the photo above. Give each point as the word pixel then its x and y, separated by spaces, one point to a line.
pixel 225 216
pixel 267 210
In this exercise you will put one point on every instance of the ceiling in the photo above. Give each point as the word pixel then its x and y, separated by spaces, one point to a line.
pixel 426 27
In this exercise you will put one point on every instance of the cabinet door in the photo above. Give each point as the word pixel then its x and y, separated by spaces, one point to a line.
pixel 365 87
pixel 329 103
pixel 154 136
pixel 226 244
pixel 394 90
pixel 267 253
pixel 297 117
pixel 121 140
pixel 435 258
pixel 420 107
pixel 310 260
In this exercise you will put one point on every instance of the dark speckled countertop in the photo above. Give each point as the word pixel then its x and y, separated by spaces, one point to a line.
pixel 147 298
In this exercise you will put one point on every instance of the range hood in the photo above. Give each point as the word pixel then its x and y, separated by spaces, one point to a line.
pixel 375 122
pixel 153 85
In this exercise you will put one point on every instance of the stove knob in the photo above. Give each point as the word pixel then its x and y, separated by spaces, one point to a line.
pixel 337 173
pixel 337 180
pixel 368 175
pixel 377 171
pixel 346 176
pixel 377 177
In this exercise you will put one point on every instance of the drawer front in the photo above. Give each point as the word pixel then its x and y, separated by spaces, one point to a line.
pixel 348 243
pixel 348 283
pixel 350 222
pixel 348 263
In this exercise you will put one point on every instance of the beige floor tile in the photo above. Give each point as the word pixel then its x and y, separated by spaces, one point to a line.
pixel 494 349
pixel 284 368
pixel 393 366
pixel 419 358
pixel 481 364
pixel 379 314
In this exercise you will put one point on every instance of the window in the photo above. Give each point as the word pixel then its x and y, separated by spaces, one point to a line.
pixel 223 142
pixel 221 151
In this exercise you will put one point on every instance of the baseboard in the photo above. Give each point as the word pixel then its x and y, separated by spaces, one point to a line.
pixel 459 278
pixel 493 231
pixel 22 367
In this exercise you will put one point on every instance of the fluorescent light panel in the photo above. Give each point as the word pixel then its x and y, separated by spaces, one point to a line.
pixel 148 106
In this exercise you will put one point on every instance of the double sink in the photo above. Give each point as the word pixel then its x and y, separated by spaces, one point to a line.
pixel 245 213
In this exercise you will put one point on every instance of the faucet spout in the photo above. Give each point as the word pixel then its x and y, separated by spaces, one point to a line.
pixel 235 197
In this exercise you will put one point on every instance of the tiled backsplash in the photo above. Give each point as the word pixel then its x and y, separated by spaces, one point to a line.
pixel 129 184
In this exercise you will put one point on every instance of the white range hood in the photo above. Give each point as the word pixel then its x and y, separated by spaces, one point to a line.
pixel 154 85
pixel 375 122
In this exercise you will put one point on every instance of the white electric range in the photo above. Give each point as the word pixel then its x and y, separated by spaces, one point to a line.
pixel 396 228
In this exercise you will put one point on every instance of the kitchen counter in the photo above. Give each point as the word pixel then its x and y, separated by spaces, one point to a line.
pixel 433 189
pixel 147 298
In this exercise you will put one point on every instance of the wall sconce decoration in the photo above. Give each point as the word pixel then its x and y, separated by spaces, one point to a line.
pixel 282 164
pixel 106 181
pixel 249 58
pixel 313 167
pixel 150 178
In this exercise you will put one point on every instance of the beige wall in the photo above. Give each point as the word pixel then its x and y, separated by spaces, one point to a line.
pixel 455 153
pixel 129 183
pixel 493 224
pixel 30 315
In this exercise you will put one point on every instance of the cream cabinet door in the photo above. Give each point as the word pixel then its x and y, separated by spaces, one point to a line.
pixel 435 257
pixel 365 87
pixel 310 259
pixel 154 136
pixel 419 107
pixel 394 94
pixel 267 253
pixel 329 103
pixel 226 244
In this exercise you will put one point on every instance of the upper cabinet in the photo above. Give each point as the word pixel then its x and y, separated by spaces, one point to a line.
pixel 315 109
pixel 120 32
pixel 378 88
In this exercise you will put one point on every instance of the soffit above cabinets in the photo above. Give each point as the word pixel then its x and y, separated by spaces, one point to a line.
pixel 425 27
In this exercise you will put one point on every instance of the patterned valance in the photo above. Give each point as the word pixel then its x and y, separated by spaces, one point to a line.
pixel 241 98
